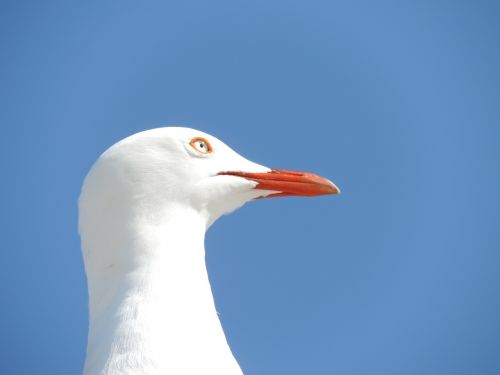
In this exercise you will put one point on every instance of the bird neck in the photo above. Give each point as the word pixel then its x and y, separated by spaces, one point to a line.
pixel 155 313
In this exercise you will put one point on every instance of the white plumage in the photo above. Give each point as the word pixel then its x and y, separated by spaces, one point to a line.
pixel 144 209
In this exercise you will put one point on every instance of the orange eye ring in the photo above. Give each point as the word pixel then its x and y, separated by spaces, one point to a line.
pixel 201 145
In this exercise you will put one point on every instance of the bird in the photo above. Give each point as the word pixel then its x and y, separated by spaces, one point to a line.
pixel 144 208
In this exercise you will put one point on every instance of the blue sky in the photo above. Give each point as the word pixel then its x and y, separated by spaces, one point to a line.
pixel 398 102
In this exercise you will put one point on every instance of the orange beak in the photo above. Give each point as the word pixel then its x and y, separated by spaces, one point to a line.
pixel 288 183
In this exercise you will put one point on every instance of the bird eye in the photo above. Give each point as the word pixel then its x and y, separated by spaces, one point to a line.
pixel 201 145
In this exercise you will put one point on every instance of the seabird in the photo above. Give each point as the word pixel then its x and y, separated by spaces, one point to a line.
pixel 144 209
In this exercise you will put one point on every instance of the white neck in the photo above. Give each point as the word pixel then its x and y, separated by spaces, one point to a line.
pixel 154 313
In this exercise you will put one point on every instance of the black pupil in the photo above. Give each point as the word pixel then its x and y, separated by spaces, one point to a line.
pixel 202 145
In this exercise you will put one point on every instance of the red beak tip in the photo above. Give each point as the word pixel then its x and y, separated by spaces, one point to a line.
pixel 334 189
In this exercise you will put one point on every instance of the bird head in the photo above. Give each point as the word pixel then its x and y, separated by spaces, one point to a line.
pixel 161 168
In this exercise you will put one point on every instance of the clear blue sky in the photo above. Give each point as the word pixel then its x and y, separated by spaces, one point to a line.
pixel 398 102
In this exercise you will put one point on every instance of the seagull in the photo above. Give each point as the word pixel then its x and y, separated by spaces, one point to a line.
pixel 144 208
